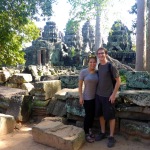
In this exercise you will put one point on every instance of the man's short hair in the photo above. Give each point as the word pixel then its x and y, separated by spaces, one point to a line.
pixel 102 48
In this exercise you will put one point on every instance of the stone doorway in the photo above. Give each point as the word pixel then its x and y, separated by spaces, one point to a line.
pixel 41 58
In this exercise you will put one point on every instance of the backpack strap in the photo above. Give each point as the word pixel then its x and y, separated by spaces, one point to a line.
pixel 111 74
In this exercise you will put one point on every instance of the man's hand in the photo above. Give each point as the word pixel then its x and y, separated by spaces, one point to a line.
pixel 112 98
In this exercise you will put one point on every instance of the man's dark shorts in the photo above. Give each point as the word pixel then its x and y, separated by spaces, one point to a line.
pixel 104 108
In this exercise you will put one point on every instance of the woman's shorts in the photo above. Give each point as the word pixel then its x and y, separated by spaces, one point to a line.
pixel 103 107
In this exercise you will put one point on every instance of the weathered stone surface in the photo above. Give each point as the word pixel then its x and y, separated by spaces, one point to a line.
pixel 135 128
pixel 14 85
pixel 145 110
pixel 47 88
pixel 38 111
pixel 56 107
pixel 138 97
pixel 75 117
pixel 6 94
pixel 59 109
pixel 60 119
pixel 7 124
pixel 49 77
pixel 51 106
pixel 20 107
pixel 133 115
pixel 4 76
pixel 38 103
pixel 27 86
pixel 72 103
pixel 73 107
pixel 20 78
pixel 69 81
pixel 63 94
pixel 72 93
pixel 138 79
pixel 58 135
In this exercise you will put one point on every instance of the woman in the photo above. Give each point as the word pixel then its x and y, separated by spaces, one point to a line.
pixel 89 78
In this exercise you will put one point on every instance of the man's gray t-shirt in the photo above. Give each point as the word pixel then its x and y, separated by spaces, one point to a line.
pixel 90 83
pixel 105 85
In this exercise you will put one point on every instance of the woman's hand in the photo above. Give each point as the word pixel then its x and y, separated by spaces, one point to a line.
pixel 81 101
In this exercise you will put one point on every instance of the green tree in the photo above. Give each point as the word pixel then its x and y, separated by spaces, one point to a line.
pixel 148 39
pixel 141 36
pixel 16 27
pixel 134 11
pixel 93 9
pixel 86 10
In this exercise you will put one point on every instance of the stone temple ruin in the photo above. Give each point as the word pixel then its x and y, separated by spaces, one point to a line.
pixel 70 49
pixel 51 92
pixel 55 49
pixel 119 44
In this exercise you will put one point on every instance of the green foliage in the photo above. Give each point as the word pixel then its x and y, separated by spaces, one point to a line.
pixel 16 27
pixel 85 9
pixel 72 26
pixel 73 52
pixel 122 73
pixel 134 11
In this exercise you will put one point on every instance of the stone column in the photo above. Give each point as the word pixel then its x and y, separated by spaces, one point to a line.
pixel 44 56
pixel 39 57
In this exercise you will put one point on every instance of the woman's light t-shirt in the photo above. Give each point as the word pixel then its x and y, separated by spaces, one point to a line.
pixel 90 83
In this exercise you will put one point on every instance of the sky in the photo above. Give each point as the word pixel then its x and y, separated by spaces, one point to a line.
pixel 61 15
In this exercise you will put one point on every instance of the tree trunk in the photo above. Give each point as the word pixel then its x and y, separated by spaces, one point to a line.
pixel 148 39
pixel 141 36
pixel 98 39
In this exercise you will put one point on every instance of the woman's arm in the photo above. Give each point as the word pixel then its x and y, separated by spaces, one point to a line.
pixel 80 84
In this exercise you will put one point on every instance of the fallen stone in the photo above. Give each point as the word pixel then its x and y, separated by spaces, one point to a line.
pixel 5 96
pixel 69 81
pixel 4 76
pixel 7 124
pixel 20 78
pixel 63 94
pixel 138 97
pixel 20 107
pixel 59 109
pixel 27 86
pixel 46 89
pixel 57 135
pixel 72 103
pixel 138 79
pixel 135 128
pixel 60 119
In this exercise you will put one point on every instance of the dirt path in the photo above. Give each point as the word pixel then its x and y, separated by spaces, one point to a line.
pixel 22 140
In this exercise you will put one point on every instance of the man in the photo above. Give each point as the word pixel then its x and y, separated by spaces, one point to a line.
pixel 105 95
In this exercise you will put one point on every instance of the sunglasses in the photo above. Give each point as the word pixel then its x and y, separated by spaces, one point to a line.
pixel 93 56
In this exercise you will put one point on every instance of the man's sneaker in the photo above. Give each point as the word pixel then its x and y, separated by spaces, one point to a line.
pixel 111 142
pixel 100 136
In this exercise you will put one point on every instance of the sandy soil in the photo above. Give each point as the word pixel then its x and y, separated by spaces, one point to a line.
pixel 22 140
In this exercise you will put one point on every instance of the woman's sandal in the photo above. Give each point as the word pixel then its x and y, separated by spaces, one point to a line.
pixel 89 139
pixel 91 134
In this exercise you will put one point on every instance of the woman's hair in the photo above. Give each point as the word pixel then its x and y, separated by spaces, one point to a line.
pixel 102 48
pixel 92 56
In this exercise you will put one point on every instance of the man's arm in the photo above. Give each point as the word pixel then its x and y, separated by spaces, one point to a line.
pixel 116 88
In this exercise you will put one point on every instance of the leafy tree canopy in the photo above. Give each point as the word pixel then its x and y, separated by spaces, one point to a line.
pixel 16 26
pixel 85 9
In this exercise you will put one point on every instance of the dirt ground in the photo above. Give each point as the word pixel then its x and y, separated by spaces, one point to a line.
pixel 22 140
